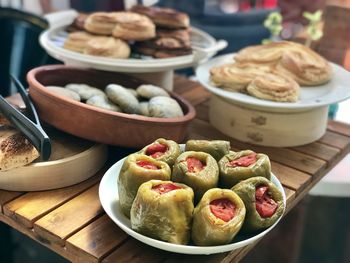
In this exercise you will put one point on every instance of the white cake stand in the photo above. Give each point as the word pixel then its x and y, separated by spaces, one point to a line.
pixel 269 123
pixel 157 71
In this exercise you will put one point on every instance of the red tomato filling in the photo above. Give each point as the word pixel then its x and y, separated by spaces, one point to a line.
pixel 264 204
pixel 223 209
pixel 156 150
pixel 165 188
pixel 147 165
pixel 244 161
pixel 194 165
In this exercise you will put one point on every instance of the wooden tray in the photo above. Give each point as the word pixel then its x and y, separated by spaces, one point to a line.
pixel 72 161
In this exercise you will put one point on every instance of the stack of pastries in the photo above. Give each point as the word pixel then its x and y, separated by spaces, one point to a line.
pixel 206 194
pixel 273 71
pixel 172 32
pixel 152 31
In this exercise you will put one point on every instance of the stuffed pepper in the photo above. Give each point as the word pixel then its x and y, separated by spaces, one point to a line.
pixel 163 150
pixel 217 218
pixel 215 148
pixel 263 201
pixel 237 166
pixel 163 210
pixel 198 170
pixel 136 170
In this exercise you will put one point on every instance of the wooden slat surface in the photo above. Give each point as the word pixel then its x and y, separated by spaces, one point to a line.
pixel 335 140
pixel 136 252
pixel 98 239
pixel 71 221
pixel 339 127
pixel 69 218
pixel 7 196
pixel 29 207
pixel 319 150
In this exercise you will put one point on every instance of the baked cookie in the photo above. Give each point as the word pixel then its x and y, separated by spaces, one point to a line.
pixel 275 87
pixel 132 26
pixel 107 47
pixel 163 17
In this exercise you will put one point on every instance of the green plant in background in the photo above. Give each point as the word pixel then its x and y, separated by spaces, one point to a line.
pixel 312 29
pixel 274 24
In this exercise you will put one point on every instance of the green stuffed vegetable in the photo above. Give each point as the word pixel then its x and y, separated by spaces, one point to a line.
pixel 263 201
pixel 163 210
pixel 215 148
pixel 136 170
pixel 198 170
pixel 217 218
pixel 237 166
pixel 163 150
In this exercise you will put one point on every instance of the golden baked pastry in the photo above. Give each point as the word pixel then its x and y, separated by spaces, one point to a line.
pixel 305 66
pixel 295 60
pixel 76 41
pixel 236 76
pixel 101 23
pixel 275 87
pixel 107 47
pixel 269 53
pixel 163 17
pixel 133 26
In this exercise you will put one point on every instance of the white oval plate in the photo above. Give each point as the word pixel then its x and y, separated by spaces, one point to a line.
pixel 108 193
pixel 336 90
pixel 204 46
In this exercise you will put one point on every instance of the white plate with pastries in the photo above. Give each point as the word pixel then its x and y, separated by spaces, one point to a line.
pixel 52 40
pixel 109 197
pixel 334 91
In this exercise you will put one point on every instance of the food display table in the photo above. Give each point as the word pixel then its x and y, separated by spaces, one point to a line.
pixel 71 221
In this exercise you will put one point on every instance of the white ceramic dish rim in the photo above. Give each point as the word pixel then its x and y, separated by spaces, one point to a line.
pixel 319 96
pixel 110 203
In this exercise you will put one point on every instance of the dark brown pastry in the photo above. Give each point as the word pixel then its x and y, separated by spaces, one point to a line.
pixel 78 23
pixel 168 43
pixel 163 17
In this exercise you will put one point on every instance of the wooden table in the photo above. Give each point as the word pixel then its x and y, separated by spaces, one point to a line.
pixel 71 221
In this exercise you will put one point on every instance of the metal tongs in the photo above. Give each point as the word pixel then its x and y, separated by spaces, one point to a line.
pixel 29 125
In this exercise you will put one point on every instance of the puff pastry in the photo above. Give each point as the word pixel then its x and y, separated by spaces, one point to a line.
pixel 163 17
pixel 236 76
pixel 76 41
pixel 107 47
pixel 132 26
pixel 100 23
pixel 269 53
pixel 292 59
pixel 275 87
pixel 305 66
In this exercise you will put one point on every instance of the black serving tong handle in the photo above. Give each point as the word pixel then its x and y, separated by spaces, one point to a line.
pixel 30 126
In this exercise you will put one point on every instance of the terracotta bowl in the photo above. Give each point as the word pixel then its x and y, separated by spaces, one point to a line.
pixel 97 124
